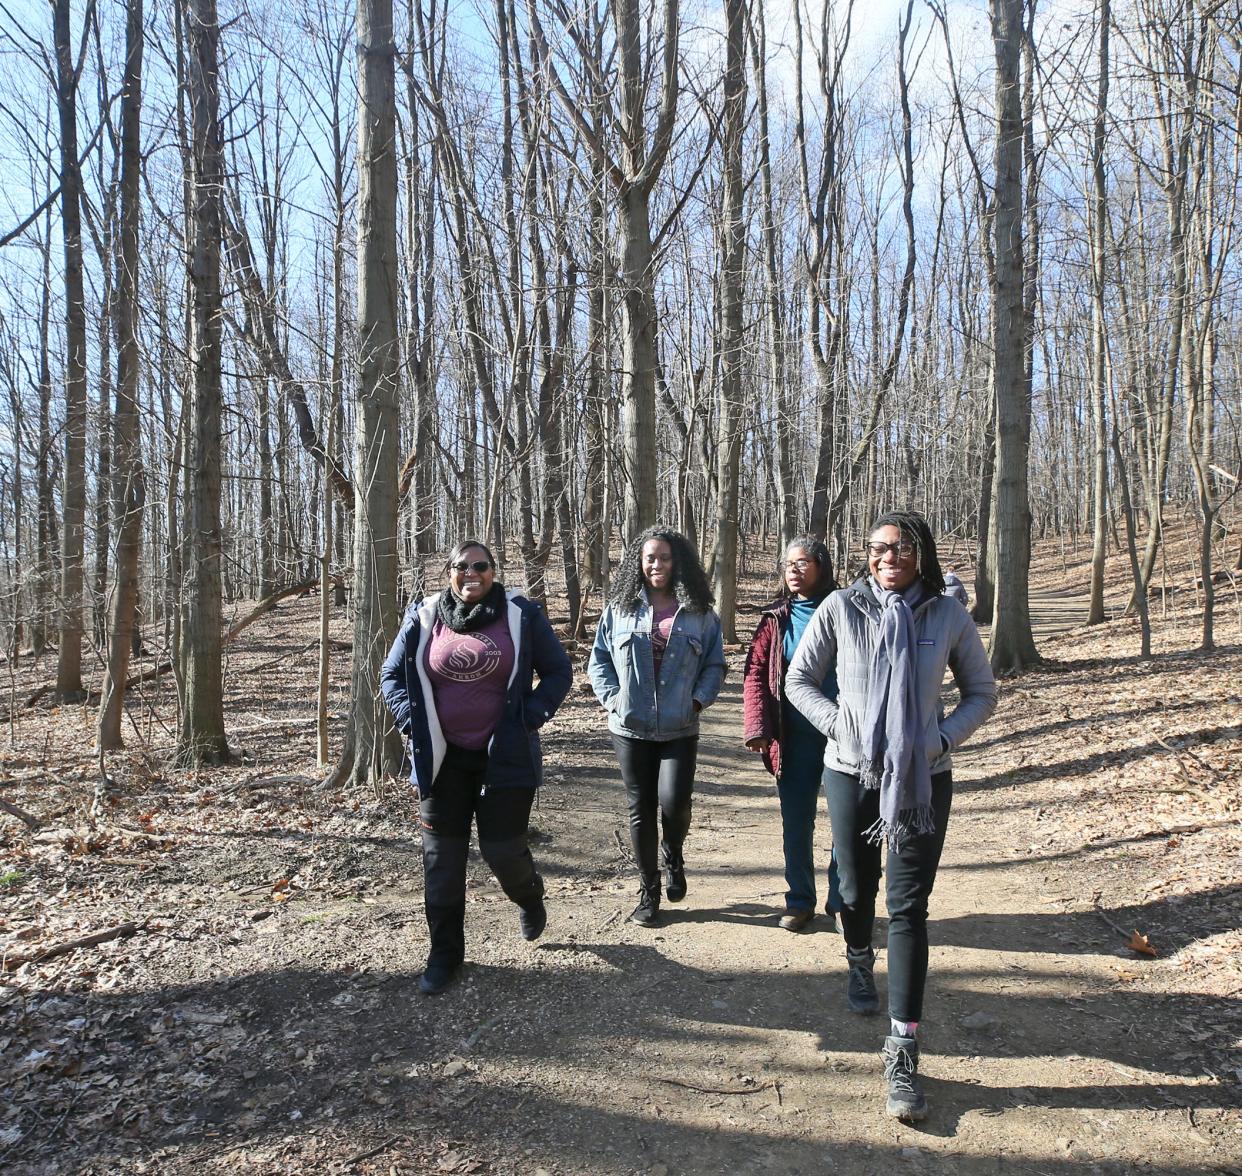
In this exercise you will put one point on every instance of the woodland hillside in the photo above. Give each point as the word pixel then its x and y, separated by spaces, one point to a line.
pixel 217 969
pixel 293 297
pixel 295 293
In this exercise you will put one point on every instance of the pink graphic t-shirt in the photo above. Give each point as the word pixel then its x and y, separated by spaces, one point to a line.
pixel 469 675
pixel 661 630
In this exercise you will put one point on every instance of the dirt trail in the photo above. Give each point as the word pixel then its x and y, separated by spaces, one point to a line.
pixel 248 1036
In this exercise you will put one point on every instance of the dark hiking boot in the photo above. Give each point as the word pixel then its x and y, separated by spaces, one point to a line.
pixel 533 920
pixel 647 913
pixel 861 994
pixel 436 978
pixel 674 875
pixel 906 1100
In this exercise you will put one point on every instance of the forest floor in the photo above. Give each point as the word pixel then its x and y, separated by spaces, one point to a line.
pixel 261 1015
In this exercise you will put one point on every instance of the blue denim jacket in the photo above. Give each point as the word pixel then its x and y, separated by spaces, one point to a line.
pixel 622 672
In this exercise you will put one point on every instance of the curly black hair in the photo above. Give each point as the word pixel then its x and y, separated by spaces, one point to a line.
pixel 818 551
pixel 689 580
pixel 913 526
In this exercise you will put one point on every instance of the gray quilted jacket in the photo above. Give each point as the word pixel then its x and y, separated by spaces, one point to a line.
pixel 844 632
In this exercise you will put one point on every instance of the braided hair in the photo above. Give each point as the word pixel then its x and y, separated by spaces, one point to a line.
pixel 689 581
pixel 913 526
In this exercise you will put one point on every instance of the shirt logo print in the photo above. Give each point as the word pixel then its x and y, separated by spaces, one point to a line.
pixel 467 657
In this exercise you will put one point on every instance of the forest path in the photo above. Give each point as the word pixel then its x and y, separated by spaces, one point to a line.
pixel 269 1021
pixel 1035 1058
pixel 719 1043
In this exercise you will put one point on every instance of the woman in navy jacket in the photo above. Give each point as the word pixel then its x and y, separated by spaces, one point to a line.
pixel 459 681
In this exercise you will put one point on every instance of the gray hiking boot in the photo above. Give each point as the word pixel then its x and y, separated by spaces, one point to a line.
pixel 861 993
pixel 906 1100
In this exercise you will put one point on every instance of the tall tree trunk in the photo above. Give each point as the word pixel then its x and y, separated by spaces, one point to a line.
pixel 594 409
pixel 638 361
pixel 1012 645
pixel 103 462
pixel 732 279
pixel 129 496
pixel 1099 340
pixel 421 239
pixel 69 662
pixel 201 739
pixel 267 518
pixel 783 398
pixel 45 522
pixel 1175 57
pixel 368 755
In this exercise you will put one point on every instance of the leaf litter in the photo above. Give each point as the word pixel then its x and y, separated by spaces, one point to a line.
pixel 262 1015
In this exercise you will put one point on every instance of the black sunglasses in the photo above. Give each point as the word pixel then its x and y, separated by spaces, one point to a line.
pixel 479 565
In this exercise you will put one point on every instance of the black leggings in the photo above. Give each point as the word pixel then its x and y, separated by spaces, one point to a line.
pixel 657 775
pixel 502 816
pixel 911 875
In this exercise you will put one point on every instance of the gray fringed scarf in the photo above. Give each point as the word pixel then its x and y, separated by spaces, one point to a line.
pixel 894 760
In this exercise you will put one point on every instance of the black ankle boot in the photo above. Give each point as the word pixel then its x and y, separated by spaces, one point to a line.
pixel 674 874
pixel 647 913
pixel 436 978
pixel 533 920
pixel 861 994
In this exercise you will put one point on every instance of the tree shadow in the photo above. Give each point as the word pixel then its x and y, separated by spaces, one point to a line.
pixel 237 1060
pixel 1067 724
pixel 1085 765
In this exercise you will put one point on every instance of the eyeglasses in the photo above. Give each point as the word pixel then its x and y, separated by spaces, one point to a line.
pixel 798 565
pixel 479 565
pixel 903 549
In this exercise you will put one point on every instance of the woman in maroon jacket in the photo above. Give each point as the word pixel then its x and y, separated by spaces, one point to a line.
pixel 792 749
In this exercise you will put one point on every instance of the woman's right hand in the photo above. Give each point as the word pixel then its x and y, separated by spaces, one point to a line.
pixel 759 745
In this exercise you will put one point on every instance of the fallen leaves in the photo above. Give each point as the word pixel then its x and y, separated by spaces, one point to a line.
pixel 1141 944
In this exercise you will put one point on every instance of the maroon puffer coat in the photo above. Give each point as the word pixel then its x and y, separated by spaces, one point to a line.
pixel 761 683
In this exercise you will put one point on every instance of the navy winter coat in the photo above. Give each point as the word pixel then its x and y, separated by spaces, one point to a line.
pixel 514 756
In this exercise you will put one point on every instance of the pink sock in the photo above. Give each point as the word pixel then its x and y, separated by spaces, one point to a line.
pixel 904 1028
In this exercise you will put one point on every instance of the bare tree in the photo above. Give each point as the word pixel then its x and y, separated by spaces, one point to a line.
pixel 732 281
pixel 68 72
pixel 633 176
pixel 130 489
pixel 777 342
pixel 201 738
pixel 364 758
pixel 1099 340
pixel 1012 644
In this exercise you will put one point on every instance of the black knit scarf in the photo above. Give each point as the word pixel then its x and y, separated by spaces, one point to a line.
pixel 465 618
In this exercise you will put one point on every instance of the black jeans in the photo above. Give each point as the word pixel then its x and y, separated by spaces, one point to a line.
pixel 502 816
pixel 657 775
pixel 911 875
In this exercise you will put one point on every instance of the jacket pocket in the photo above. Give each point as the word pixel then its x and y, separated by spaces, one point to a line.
pixel 932 744
pixel 625 704
pixel 846 737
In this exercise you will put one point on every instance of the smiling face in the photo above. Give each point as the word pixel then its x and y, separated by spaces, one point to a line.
pixel 466 581
pixel 893 569
pixel 801 572
pixel 656 562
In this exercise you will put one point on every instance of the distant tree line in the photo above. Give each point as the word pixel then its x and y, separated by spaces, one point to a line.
pixel 295 295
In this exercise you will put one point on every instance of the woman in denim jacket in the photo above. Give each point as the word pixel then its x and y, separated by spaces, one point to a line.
pixel 657 661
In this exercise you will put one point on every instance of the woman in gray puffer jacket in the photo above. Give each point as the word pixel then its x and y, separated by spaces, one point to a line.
pixel 890 637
